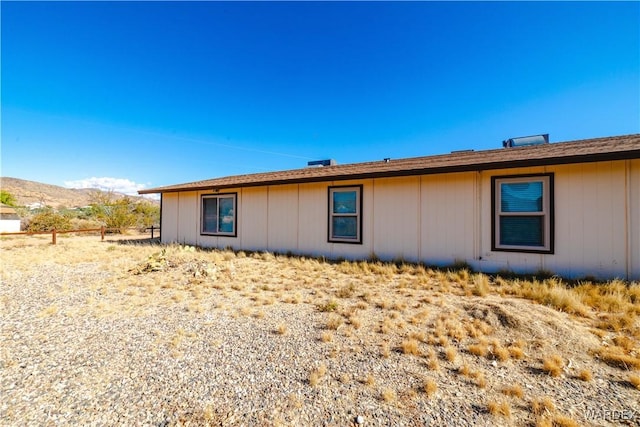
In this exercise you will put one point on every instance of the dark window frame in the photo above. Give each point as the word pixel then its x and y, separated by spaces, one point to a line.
pixel 359 215
pixel 549 215
pixel 218 196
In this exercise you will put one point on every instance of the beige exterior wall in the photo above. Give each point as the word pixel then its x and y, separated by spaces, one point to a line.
pixel 396 218
pixel 438 219
pixel 169 220
pixel 449 209
pixel 633 218
pixel 253 218
pixel 9 225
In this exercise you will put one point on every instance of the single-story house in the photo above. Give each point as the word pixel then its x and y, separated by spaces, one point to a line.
pixel 570 208
pixel 9 219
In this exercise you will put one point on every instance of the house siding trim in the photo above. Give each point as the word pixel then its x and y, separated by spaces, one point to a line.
pixel 551 201
pixel 360 215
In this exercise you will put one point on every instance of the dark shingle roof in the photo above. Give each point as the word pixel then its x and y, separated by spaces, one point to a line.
pixel 588 150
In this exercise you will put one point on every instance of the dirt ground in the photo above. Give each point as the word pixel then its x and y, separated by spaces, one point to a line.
pixel 130 331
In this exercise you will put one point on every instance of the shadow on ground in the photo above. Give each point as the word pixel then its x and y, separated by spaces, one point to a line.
pixel 139 242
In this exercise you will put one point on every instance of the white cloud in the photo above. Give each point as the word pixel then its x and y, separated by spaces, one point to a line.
pixel 118 185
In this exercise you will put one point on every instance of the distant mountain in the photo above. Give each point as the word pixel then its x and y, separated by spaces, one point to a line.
pixel 28 192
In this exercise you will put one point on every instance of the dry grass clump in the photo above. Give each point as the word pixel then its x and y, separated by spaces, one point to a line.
pixel 432 360
pixel 551 292
pixel 334 322
pixel 283 329
pixel 540 406
pixel 479 378
pixel 585 375
pixel 513 390
pixel 624 342
pixel 553 365
pixel 481 381
pixel 450 353
pixel 419 336
pixel 499 352
pixel 499 408
pixel 346 291
pixel 385 350
pixel 516 352
pixel 557 420
pixel 389 395
pixel 317 374
pixel 430 387
pixel 386 326
pixel 419 318
pixel 481 349
pixel 370 380
pixel 634 380
pixel 355 321
pixel 326 336
pixel 328 306
pixel 613 296
pixel 481 285
pixel 464 370
pixel 49 311
pixel 618 357
pixel 617 322
pixel 410 346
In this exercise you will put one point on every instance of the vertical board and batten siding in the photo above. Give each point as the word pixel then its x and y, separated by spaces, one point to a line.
pixel 169 220
pixel 253 216
pixel 312 219
pixel 282 223
pixel 449 207
pixel 396 218
pixel 438 219
pixel 188 218
pixel 633 218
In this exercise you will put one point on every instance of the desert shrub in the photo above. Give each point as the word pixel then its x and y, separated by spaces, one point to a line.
pixel 124 212
pixel 116 214
pixel 48 220
pixel 83 224
pixel 147 214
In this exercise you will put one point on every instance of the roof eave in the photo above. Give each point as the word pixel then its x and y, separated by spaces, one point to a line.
pixel 507 164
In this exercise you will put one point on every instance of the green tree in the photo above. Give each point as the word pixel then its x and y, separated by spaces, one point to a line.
pixel 123 212
pixel 116 214
pixel 147 214
pixel 7 198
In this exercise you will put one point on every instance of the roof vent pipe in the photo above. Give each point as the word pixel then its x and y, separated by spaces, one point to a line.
pixel 523 141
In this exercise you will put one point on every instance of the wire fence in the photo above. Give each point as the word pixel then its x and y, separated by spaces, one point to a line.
pixel 102 230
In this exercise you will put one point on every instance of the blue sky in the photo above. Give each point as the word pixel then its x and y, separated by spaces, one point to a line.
pixel 141 94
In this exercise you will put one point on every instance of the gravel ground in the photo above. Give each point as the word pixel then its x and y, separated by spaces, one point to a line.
pixel 92 335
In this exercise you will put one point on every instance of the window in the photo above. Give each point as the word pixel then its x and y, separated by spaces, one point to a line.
pixel 219 215
pixel 523 213
pixel 345 214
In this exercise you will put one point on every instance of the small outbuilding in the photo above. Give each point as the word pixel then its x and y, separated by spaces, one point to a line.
pixel 9 219
pixel 570 208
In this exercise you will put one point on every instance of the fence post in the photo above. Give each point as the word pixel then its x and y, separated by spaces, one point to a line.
pixel 152 231
pixel 102 233
pixel 53 236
